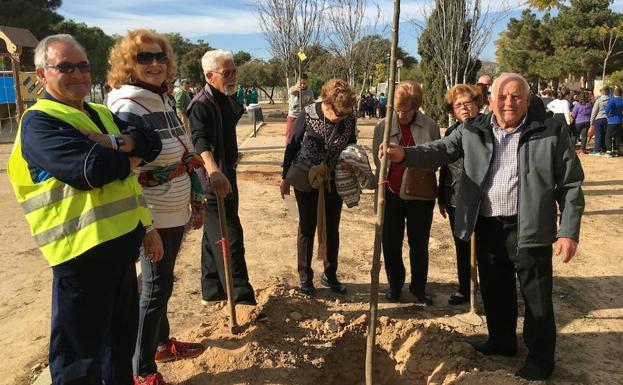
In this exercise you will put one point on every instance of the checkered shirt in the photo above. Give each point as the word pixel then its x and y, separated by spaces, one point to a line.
pixel 500 197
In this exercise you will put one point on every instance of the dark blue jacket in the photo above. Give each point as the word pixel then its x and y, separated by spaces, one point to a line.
pixel 53 148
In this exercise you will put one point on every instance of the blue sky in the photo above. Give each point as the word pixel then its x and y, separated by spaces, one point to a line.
pixel 233 24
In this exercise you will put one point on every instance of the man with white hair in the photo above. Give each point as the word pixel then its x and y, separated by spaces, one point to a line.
pixel 518 167
pixel 213 114
pixel 71 171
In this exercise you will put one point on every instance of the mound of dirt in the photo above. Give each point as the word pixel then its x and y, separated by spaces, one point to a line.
pixel 306 341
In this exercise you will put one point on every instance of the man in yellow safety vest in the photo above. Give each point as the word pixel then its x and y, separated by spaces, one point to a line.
pixel 71 170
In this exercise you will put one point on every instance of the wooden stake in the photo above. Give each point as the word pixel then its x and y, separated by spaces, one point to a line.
pixel 378 233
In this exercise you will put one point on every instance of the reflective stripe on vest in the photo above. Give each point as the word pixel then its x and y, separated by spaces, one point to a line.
pixel 66 221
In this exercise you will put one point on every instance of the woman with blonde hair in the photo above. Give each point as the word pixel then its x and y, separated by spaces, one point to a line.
pixel 321 133
pixel 142 69
pixel 409 195
pixel 463 101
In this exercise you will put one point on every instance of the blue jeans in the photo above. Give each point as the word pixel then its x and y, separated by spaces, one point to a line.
pixel 600 134
pixel 157 286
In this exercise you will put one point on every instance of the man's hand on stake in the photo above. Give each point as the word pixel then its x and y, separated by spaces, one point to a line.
pixel 395 152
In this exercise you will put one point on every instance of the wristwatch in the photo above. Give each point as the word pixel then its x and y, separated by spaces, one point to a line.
pixel 120 141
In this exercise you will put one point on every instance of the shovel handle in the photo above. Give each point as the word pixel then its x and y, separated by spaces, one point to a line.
pixel 229 285
pixel 473 272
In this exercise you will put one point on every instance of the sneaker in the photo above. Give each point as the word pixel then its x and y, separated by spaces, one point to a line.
pixel 595 153
pixel 176 350
pixel 333 284
pixel 152 379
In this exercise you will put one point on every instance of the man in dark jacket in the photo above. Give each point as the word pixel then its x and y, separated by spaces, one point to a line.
pixel 517 169
pixel 213 115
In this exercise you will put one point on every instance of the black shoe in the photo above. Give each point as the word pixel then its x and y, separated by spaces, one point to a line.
pixel 421 298
pixel 261 317
pixel 458 299
pixel 308 288
pixel 333 284
pixel 392 295
pixel 489 349
pixel 531 371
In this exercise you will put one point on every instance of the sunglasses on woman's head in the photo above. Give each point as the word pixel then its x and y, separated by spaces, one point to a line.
pixel 69 68
pixel 147 58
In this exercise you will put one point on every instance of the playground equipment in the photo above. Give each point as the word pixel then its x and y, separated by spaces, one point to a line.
pixel 18 87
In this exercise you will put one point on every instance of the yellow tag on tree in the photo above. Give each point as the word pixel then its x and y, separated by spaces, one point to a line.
pixel 302 56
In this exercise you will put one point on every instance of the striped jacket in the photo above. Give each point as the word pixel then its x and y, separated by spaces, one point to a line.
pixel 169 203
pixel 355 175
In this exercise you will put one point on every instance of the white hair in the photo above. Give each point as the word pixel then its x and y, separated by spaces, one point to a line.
pixel 211 59
pixel 510 76
pixel 41 51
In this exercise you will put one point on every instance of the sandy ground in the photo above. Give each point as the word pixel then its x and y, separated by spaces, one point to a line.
pixel 321 339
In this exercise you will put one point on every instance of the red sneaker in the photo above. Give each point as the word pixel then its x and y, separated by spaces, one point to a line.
pixel 176 350
pixel 152 379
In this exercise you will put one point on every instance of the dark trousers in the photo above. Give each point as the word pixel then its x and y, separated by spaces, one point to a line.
pixel 157 286
pixel 600 134
pixel 462 248
pixel 418 215
pixel 613 137
pixel 212 267
pixel 583 132
pixel 499 260
pixel 95 314
pixel 308 204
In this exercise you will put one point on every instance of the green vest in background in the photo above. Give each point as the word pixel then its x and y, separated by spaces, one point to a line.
pixel 66 221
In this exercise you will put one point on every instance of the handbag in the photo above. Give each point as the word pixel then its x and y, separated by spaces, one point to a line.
pixel 418 184
pixel 298 175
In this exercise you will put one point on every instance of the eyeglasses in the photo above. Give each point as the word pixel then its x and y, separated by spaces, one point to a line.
pixel 402 112
pixel 227 73
pixel 69 68
pixel 146 58
pixel 341 114
pixel 466 105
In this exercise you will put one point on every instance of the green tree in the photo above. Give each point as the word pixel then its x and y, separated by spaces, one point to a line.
pixel 179 44
pixel 615 79
pixel 576 36
pixel 524 47
pixel 189 65
pixel 38 16
pixel 96 43
pixel 241 57
pixel 261 74
pixel 433 83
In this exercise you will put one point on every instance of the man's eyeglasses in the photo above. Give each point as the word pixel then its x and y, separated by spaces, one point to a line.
pixel 69 68
pixel 226 73
pixel 466 105
pixel 146 58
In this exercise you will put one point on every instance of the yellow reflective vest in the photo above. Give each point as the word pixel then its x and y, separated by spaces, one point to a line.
pixel 66 221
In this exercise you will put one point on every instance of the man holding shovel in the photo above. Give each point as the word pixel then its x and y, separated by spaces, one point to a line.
pixel 517 169
pixel 213 114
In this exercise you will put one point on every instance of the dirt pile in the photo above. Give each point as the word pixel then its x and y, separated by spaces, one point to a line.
pixel 306 341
